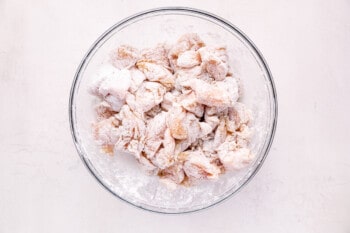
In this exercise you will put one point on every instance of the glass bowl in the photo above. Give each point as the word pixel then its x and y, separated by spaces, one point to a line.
pixel 120 173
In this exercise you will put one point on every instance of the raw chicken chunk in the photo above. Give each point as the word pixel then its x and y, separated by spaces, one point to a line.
pixel 156 73
pixel 104 110
pixel 156 128
pixel 214 62
pixel 137 78
pixel 186 42
pixel 189 102
pixel 157 55
pixel 175 122
pixel 174 173
pixel 240 114
pixel 105 71
pixel 124 57
pixel 147 165
pixel 198 166
pixel 116 84
pixel 106 133
pixel 210 94
pixel 131 132
pixel 146 97
pixel 188 59
pixel 220 134
pixel 168 100
pixel 114 88
pixel 236 159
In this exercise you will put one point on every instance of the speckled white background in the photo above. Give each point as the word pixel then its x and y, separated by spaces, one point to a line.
pixel 304 185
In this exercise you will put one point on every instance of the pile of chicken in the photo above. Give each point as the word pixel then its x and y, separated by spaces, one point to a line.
pixel 175 108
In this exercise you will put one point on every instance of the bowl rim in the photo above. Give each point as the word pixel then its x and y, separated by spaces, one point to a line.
pixel 178 9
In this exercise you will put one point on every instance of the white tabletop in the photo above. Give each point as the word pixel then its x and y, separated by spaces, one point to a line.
pixel 304 185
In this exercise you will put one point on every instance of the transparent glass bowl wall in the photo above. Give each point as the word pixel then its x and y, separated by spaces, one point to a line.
pixel 120 174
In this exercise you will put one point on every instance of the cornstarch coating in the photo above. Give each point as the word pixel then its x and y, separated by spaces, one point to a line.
pixel 175 108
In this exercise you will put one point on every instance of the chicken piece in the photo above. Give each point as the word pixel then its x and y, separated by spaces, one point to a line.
pixel 195 130
pixel 162 159
pixel 156 73
pixel 147 165
pixel 124 138
pixel 208 146
pixel 182 83
pixel 124 57
pixel 106 133
pixel 104 72
pixel 205 143
pixel 104 110
pixel 152 145
pixel 216 111
pixel 157 125
pixel 135 147
pixel 188 59
pixel 244 132
pixel 137 77
pixel 137 128
pixel 149 95
pixel 131 132
pixel 157 55
pixel 240 114
pixel 198 166
pixel 216 69
pixel 115 103
pixel 228 145
pixel 153 112
pixel 134 105
pixel 189 102
pixel 165 158
pixel 114 88
pixel 211 111
pixel 125 113
pixel 214 65
pixel 230 125
pixel 191 124
pixel 146 97
pixel 183 78
pixel 221 53
pixel 190 41
pixel 212 120
pixel 182 146
pixel 198 72
pixel 243 136
pixel 174 173
pixel 209 95
pixel 154 134
pixel 230 85
pixel 236 159
pixel 205 128
pixel 206 78
pixel 168 100
pixel 129 117
pixel 168 143
pixel 220 134
pixel 175 118
pixel 193 72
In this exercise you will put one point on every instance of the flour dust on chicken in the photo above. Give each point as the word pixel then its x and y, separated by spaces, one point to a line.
pixel 175 108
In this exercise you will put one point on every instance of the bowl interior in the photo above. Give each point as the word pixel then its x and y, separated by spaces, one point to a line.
pixel 120 173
